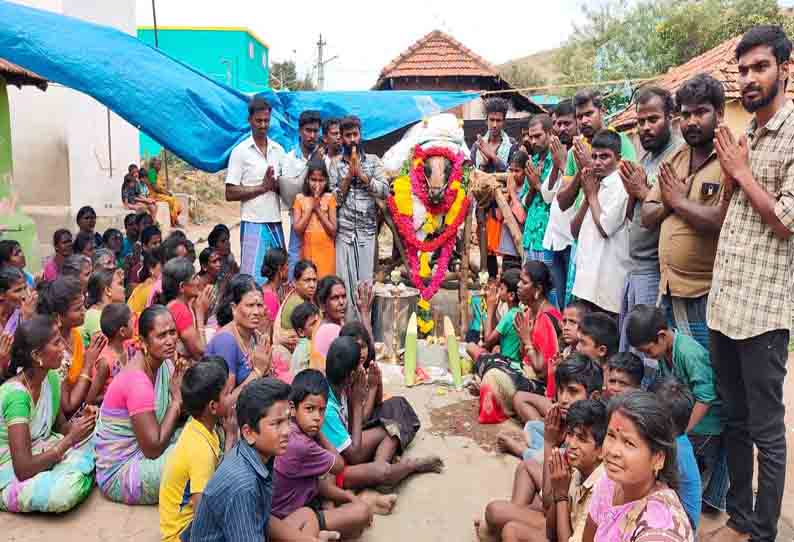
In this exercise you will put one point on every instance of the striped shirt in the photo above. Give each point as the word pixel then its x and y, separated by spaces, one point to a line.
pixel 357 212
pixel 235 505
pixel 752 291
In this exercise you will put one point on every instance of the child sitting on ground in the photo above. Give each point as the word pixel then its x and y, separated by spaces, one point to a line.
pixel 678 400
pixel 526 404
pixel 235 505
pixel 573 471
pixel 682 356
pixel 306 473
pixel 577 378
pixel 118 325
pixel 624 373
pixel 598 338
pixel 368 452
pixel 504 333
pixel 304 320
pixel 197 452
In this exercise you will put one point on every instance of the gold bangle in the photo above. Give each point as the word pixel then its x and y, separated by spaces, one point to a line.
pixel 85 376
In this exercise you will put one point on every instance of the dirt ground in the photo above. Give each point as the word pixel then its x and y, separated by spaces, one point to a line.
pixel 431 508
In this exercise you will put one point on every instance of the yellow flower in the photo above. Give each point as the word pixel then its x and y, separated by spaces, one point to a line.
pixel 417 162
pixel 424 264
pixel 423 304
pixel 402 195
pixel 454 210
pixel 425 326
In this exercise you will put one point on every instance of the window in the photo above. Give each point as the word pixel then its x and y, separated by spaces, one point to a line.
pixel 251 50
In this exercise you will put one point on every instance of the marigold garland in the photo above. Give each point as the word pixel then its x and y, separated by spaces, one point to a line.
pixel 426 218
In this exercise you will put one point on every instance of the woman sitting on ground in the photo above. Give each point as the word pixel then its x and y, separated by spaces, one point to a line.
pixel 113 240
pixel 210 275
pixel 219 240
pixel 149 275
pixel 305 283
pixel 84 243
pixel 367 448
pixel 80 267
pixel 241 341
pixel 63 299
pixel 11 253
pixel 104 258
pixel 14 294
pixel 62 243
pixel 188 304
pixel 86 223
pixel 46 465
pixel 637 498
pixel 275 269
pixel 104 287
pixel 137 424
pixel 332 300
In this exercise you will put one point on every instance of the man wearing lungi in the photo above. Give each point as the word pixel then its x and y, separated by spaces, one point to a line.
pixel 356 180
pixel 254 166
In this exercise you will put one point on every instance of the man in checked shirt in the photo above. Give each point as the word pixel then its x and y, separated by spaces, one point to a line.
pixel 750 304
pixel 356 180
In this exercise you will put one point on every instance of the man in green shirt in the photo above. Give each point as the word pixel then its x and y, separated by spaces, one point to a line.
pixel 590 120
pixel 684 358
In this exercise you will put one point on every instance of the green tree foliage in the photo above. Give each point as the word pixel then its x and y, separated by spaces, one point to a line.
pixel 623 39
pixel 284 75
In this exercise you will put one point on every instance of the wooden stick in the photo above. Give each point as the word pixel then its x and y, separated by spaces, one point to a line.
pixel 510 221
pixel 393 228
pixel 483 239
pixel 463 288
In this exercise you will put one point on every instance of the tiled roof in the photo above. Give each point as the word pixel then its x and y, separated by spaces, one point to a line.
pixel 719 62
pixel 438 55
pixel 18 76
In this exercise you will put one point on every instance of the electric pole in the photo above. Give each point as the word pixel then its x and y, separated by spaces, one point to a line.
pixel 320 64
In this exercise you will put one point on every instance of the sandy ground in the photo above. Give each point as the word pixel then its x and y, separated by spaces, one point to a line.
pixel 431 508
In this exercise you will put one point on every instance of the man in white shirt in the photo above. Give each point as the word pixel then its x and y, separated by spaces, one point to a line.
pixel 558 238
pixel 251 179
pixel 293 175
pixel 602 255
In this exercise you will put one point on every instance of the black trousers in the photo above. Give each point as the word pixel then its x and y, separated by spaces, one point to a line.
pixel 750 374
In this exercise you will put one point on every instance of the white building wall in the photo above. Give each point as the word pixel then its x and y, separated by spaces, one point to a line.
pixel 64 155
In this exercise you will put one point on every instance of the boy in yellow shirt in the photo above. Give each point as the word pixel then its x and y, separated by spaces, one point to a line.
pixel 198 451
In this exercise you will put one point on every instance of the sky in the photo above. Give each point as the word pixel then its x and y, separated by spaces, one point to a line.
pixel 366 36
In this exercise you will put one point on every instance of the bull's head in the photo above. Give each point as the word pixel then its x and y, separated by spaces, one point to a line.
pixel 437 171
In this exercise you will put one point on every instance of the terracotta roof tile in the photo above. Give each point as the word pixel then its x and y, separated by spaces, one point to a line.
pixel 438 55
pixel 719 62
pixel 19 76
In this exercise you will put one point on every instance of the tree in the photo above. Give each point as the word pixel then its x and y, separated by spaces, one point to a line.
pixel 284 76
pixel 631 40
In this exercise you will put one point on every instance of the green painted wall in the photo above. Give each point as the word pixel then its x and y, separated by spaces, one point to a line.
pixel 19 225
pixel 230 56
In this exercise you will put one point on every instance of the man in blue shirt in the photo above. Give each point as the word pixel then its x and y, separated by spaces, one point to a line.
pixel 235 505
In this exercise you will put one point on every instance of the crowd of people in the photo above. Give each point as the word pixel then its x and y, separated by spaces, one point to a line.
pixel 641 339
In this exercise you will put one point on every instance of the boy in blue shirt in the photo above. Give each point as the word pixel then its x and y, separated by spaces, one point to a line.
pixel 236 503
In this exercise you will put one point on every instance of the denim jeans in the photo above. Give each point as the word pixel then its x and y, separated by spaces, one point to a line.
pixel 750 374
pixel 559 273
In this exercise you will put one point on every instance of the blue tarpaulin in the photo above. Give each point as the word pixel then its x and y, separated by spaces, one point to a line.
pixel 195 117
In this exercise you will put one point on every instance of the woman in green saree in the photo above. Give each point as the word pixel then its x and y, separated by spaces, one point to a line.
pixel 41 470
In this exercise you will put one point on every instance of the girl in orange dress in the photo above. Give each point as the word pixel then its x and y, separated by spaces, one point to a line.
pixel 315 219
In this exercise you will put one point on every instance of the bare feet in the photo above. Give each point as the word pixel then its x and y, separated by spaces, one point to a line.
pixel 431 463
pixel 509 443
pixel 482 531
pixel 381 505
pixel 725 534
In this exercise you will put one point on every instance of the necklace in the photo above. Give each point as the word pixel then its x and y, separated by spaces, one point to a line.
pixel 26 383
pixel 247 349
